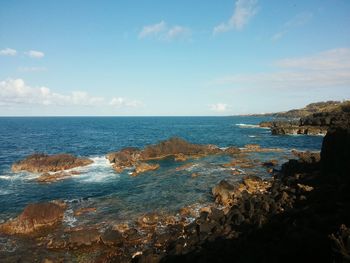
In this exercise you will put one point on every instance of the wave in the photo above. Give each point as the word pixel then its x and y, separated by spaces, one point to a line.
pixel 19 176
pixel 5 192
pixel 243 125
pixel 99 171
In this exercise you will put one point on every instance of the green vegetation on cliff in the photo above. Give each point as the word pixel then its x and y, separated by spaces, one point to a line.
pixel 327 106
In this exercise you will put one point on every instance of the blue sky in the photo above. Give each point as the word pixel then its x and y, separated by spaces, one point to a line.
pixel 171 57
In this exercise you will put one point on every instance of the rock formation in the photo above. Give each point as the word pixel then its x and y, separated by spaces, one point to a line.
pixel 43 163
pixel 35 217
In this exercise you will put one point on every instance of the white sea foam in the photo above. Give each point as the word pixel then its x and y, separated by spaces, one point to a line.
pixel 251 136
pixel 5 192
pixel 69 218
pixel 99 171
pixel 243 125
pixel 5 177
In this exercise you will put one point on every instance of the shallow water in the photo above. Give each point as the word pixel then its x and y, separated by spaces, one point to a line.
pixel 120 196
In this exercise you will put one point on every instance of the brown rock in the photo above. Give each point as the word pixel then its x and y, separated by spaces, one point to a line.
pixel 144 167
pixel 232 150
pixel 84 237
pixel 112 237
pixel 35 217
pixel 84 210
pixel 194 175
pixel 175 146
pixel 270 163
pixel 51 178
pixel 180 157
pixel 147 220
pixel 39 163
pixel 125 158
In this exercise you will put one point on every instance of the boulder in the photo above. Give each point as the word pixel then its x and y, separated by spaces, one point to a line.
pixel 84 237
pixel 223 193
pixel 35 217
pixel 42 163
pixel 112 237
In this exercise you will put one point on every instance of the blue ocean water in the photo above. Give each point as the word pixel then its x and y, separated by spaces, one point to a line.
pixel 120 196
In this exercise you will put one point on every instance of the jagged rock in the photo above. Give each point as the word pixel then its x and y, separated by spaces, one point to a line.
pixel 42 163
pixel 175 146
pixel 35 217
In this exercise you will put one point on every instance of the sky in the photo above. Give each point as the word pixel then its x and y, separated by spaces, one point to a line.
pixel 171 58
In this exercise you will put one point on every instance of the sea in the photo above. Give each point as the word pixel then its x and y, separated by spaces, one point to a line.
pixel 120 197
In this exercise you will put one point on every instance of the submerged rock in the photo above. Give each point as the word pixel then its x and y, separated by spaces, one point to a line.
pixel 51 178
pixel 35 217
pixel 84 210
pixel 42 163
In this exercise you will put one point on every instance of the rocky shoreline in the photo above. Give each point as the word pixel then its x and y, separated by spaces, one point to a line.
pixel 316 123
pixel 303 203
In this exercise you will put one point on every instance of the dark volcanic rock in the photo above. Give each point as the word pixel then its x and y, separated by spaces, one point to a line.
pixel 35 217
pixel 49 163
pixel 335 154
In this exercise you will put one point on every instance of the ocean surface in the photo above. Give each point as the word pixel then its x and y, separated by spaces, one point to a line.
pixel 121 196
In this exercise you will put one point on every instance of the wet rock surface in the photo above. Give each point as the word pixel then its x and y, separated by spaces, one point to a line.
pixel 35 217
pixel 43 163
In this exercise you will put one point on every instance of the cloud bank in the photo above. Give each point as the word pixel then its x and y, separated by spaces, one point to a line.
pixel 327 69
pixel 15 92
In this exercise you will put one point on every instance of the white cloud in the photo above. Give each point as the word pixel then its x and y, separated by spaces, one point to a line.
pixel 17 92
pixel 122 102
pixel 153 30
pixel 8 52
pixel 35 54
pixel 161 31
pixel 219 107
pixel 326 69
pixel 244 11
pixel 297 21
pixel 178 32
pixel 334 59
